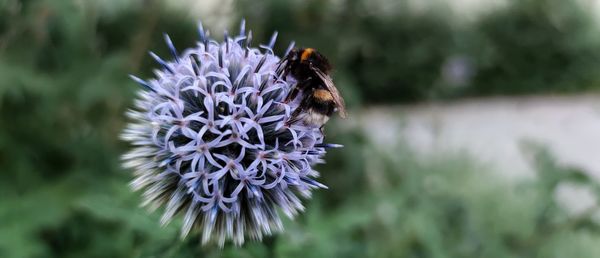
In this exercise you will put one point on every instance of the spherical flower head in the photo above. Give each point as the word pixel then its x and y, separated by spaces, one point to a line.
pixel 211 141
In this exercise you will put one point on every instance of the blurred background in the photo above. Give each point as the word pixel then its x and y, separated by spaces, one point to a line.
pixel 474 126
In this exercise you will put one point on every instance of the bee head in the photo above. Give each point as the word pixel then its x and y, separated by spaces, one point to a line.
pixel 293 55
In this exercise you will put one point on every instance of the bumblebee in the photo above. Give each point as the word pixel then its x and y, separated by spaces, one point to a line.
pixel 320 98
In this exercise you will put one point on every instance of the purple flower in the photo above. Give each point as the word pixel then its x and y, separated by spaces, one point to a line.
pixel 210 141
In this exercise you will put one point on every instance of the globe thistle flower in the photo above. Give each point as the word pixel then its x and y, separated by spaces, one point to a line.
pixel 211 142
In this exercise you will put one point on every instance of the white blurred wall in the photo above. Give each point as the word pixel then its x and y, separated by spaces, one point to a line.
pixel 493 130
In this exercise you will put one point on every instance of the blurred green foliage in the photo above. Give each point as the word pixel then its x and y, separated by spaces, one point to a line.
pixel 63 91
pixel 537 46
pixel 388 51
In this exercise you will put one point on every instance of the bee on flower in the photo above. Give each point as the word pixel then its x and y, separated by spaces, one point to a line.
pixel 216 140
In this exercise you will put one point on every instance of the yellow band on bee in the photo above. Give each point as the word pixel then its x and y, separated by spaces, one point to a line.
pixel 323 95
pixel 306 54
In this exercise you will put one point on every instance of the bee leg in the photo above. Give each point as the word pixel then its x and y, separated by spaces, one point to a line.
pixel 295 116
pixel 282 68
pixel 294 92
pixel 285 73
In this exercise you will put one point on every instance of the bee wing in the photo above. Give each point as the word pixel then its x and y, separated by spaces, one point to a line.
pixel 337 99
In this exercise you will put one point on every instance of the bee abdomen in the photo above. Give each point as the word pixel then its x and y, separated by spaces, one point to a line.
pixel 322 95
pixel 323 102
pixel 315 118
